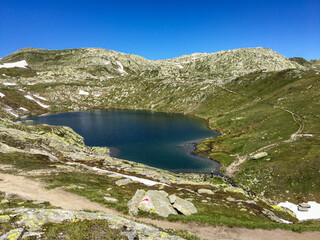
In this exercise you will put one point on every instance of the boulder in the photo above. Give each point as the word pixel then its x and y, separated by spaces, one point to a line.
pixel 183 206
pixel 123 182
pixel 260 155
pixel 206 191
pixel 134 202
pixel 156 202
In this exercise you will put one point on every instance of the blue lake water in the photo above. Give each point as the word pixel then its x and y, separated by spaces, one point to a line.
pixel 160 140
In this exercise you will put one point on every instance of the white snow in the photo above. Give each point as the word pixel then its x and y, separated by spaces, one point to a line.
pixel 133 178
pixel 38 102
pixel 20 64
pixel 81 92
pixel 9 110
pixel 39 97
pixel 9 84
pixel 30 84
pixel 21 90
pixel 1 95
pixel 97 95
pixel 120 69
pixel 285 221
pixel 23 109
pixel 313 211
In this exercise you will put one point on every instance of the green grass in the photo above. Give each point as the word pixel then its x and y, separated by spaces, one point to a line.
pixel 24 161
pixel 94 229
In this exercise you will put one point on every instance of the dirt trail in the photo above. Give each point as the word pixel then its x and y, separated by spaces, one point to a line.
pixel 35 190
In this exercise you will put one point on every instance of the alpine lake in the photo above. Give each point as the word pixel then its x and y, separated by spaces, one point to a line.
pixel 161 140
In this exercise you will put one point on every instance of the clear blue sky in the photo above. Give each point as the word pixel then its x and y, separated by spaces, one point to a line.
pixel 159 29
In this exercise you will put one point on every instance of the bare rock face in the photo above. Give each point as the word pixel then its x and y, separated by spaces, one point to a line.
pixel 157 202
pixel 183 206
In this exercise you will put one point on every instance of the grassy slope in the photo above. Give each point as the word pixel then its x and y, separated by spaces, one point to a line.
pixel 248 123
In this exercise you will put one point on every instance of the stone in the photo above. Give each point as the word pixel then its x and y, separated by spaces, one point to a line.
pixel 14 234
pixel 157 202
pixel 40 202
pixel 271 215
pixel 172 198
pixel 183 206
pixel 134 202
pixel 260 155
pixel 304 205
pixel 303 209
pixel 205 191
pixel 123 182
pixel 109 199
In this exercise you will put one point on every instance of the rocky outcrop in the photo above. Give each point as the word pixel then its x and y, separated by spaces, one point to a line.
pixel 14 234
pixel 33 220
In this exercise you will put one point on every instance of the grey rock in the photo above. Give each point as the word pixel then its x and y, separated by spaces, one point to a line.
pixel 260 155
pixel 134 202
pixel 40 202
pixel 304 205
pixel 205 191
pixel 109 199
pixel 182 205
pixel 157 202
pixel 271 216
pixel 14 234
pixel 303 209
pixel 172 198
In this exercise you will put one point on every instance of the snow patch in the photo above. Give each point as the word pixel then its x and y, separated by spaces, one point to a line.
pixel 23 109
pixel 38 102
pixel 313 211
pixel 82 92
pixel 133 178
pixel 9 84
pixel 20 64
pixel 1 95
pixel 39 97
pixel 120 69
pixel 9 110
